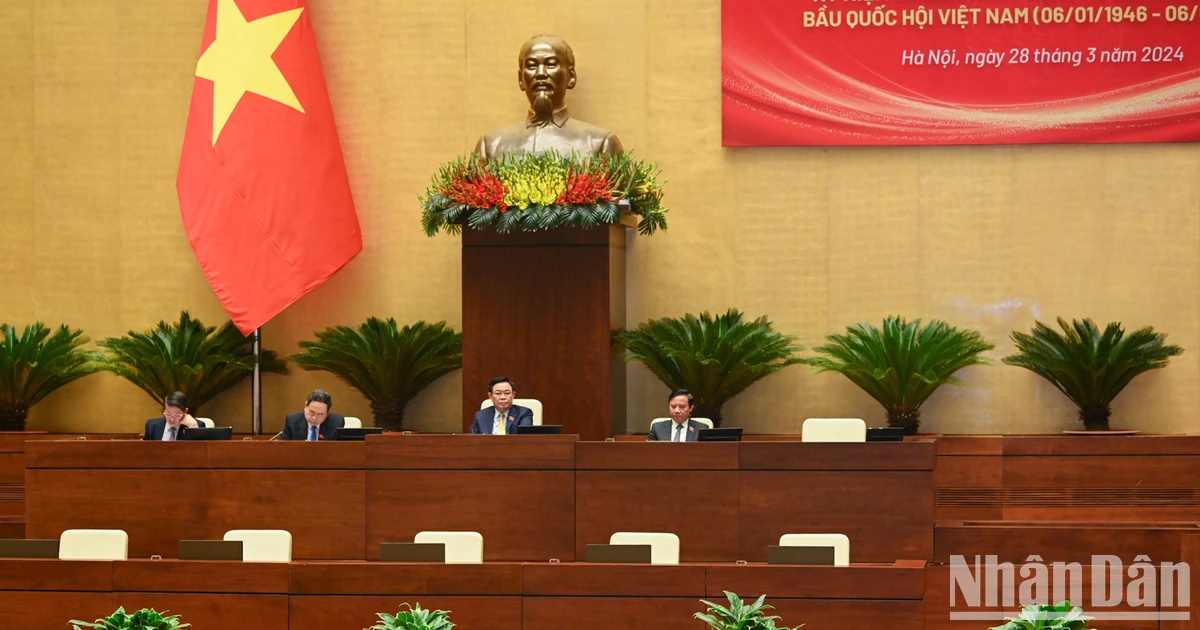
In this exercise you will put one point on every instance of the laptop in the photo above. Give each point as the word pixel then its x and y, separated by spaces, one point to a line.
pixel 539 429
pixel 724 434
pixel 799 555
pixel 345 434
pixel 207 434
pixel 885 434
pixel 412 552
pixel 624 554
pixel 210 550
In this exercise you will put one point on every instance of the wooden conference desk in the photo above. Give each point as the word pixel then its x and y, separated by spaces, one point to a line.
pixel 44 594
pixel 534 498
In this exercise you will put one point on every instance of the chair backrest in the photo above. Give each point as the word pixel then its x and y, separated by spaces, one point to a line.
pixel 206 422
pixel 461 547
pixel 532 404
pixel 705 421
pixel 263 545
pixel 93 544
pixel 833 430
pixel 353 423
pixel 664 547
pixel 839 542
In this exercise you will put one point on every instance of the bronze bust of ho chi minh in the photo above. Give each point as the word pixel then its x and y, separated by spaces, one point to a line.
pixel 546 72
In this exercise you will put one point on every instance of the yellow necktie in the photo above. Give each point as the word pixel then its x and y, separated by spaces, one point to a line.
pixel 502 425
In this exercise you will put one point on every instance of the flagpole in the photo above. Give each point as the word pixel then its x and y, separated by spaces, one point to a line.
pixel 256 385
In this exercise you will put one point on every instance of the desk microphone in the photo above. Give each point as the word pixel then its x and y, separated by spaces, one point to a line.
pixel 275 438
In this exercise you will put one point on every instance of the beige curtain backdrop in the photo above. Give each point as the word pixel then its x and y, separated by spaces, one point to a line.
pixel 94 96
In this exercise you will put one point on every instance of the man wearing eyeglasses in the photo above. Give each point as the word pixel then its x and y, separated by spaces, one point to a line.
pixel 315 423
pixel 174 421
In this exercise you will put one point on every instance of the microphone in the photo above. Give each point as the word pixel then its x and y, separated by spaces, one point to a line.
pixel 275 438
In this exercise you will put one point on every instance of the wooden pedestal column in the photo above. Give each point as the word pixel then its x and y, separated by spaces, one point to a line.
pixel 539 308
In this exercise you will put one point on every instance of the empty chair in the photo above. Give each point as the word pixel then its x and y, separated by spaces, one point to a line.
pixel 705 421
pixel 834 430
pixel 353 423
pixel 664 547
pixel 93 544
pixel 461 547
pixel 263 545
pixel 839 542
pixel 206 423
pixel 532 404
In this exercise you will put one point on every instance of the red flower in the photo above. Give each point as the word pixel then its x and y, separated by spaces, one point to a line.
pixel 479 189
pixel 586 189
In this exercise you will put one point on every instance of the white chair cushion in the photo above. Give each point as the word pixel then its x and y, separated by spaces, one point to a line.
pixel 833 430
pixel 532 404
pixel 839 542
pixel 705 421
pixel 664 547
pixel 93 544
pixel 353 423
pixel 461 547
pixel 263 545
pixel 206 422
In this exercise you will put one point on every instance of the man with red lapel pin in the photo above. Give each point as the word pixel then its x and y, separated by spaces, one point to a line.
pixel 681 428
pixel 503 417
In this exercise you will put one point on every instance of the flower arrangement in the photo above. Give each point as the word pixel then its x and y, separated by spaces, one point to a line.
pixel 542 191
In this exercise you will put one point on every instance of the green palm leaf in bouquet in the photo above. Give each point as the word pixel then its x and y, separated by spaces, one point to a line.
pixel 902 364
pixel 144 619
pixel 388 365
pixel 739 615
pixel 34 363
pixel 1090 367
pixel 415 618
pixel 713 357
pixel 187 357
pixel 1044 617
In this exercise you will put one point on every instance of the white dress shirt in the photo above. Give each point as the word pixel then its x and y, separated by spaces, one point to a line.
pixel 682 432
pixel 167 437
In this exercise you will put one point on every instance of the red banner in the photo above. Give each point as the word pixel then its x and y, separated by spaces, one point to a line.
pixel 916 72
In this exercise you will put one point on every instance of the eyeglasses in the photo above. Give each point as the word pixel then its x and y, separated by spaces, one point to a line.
pixel 167 414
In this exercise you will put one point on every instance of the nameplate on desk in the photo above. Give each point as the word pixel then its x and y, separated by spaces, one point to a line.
pixel 799 555
pixel 20 548
pixel 626 554
pixel 210 550
pixel 412 552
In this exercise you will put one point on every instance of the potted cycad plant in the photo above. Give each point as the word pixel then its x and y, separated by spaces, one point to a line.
pixel 388 365
pixel 901 364
pixel 713 357
pixel 1089 367
pixel 415 618
pixel 1043 617
pixel 187 357
pixel 144 619
pixel 740 616
pixel 34 363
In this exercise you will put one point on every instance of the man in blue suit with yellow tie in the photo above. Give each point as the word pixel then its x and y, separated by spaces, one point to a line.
pixel 503 417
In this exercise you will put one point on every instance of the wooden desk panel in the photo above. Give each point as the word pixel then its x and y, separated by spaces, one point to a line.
pixel 287 455
pixel 613 580
pixel 206 610
pixel 325 510
pixel 700 506
pixel 119 454
pixel 883 456
pixel 55 575
pixel 656 456
pixel 1067 445
pixel 634 597
pixel 156 508
pixel 839 614
pixel 356 613
pixel 901 580
pixel 626 613
pixel 1059 542
pixel 386 578
pixel 887 515
pixel 194 576
pixel 524 515
pixel 471 452
pixel 32 610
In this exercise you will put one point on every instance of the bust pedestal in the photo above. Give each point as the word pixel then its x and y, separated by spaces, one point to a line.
pixel 539 308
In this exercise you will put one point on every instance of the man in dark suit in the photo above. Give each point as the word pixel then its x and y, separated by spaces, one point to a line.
pixel 174 421
pixel 315 423
pixel 681 428
pixel 503 417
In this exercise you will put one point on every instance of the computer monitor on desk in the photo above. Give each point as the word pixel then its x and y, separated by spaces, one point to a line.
pixel 539 429
pixel 207 434
pixel 885 434
pixel 349 434
pixel 724 434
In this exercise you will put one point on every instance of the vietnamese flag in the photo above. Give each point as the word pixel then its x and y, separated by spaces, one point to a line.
pixel 262 184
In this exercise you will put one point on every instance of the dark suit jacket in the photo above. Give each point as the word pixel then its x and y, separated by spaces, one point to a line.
pixel 485 418
pixel 295 427
pixel 662 431
pixel 155 428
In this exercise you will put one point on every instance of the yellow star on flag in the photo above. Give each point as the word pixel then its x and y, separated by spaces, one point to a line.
pixel 239 61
